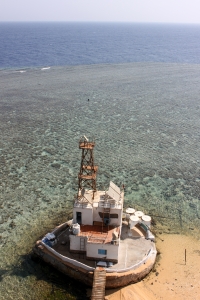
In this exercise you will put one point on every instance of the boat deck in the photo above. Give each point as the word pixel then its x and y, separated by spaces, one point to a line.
pixel 98 234
pixel 133 248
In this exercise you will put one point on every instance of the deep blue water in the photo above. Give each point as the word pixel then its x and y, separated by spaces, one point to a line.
pixel 26 45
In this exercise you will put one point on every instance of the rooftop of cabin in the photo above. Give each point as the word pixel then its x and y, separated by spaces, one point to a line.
pixel 98 233
pixel 113 198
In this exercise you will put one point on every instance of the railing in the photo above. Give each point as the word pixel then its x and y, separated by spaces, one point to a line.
pixel 150 253
pixel 69 260
pixel 76 263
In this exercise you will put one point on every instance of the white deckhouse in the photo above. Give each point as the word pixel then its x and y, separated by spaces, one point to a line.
pixel 97 215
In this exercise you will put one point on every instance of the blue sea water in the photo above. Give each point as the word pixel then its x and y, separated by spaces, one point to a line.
pixel 26 45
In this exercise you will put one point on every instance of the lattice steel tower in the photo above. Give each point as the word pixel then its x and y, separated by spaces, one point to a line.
pixel 88 171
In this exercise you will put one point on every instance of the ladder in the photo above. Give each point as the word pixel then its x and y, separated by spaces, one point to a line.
pixel 106 210
pixel 82 244
pixel 99 282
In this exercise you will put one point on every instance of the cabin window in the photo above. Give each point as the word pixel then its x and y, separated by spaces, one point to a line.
pixel 114 216
pixel 108 216
pixel 102 252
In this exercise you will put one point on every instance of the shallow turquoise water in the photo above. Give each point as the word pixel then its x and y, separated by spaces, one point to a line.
pixel 145 120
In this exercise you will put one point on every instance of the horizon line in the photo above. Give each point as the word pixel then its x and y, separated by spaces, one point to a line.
pixel 105 22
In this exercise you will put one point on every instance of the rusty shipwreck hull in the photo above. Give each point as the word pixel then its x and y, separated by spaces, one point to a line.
pixel 116 279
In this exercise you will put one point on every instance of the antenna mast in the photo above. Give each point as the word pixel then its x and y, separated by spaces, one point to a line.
pixel 87 174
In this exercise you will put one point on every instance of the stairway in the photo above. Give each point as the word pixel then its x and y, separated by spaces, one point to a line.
pixel 99 282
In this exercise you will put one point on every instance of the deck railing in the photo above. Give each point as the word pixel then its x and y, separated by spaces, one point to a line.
pixel 152 252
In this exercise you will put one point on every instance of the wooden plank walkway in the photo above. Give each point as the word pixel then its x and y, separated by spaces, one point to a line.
pixel 99 282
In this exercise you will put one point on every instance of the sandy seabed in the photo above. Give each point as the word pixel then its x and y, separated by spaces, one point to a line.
pixel 173 277
pixel 145 118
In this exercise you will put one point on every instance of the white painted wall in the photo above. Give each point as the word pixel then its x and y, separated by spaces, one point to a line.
pixel 75 242
pixel 96 216
pixel 92 251
pixel 87 215
pixel 116 221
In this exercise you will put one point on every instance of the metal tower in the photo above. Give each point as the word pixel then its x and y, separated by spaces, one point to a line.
pixel 87 174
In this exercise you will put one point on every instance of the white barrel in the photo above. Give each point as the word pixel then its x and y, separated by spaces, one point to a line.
pixel 127 217
pixel 139 214
pixel 146 220
pixel 130 211
pixel 76 229
pixel 133 221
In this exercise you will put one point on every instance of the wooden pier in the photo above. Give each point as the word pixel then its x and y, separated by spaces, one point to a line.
pixel 99 282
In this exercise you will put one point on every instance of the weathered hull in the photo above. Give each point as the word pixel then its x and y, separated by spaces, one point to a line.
pixel 85 273
pixel 64 267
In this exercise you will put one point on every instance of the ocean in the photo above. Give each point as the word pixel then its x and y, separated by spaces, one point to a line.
pixel 28 45
pixel 143 82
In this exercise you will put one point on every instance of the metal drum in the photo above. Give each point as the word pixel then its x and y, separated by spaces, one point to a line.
pixel 130 211
pixel 76 229
pixel 139 214
pixel 133 221
pixel 146 220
